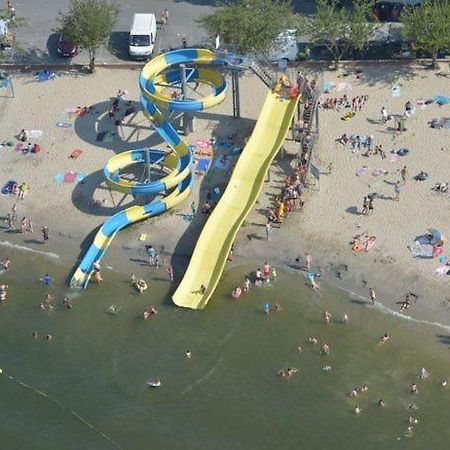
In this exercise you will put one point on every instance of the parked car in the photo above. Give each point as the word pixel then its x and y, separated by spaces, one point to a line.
pixel 66 48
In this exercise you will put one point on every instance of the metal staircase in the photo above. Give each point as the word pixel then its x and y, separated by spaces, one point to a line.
pixel 260 69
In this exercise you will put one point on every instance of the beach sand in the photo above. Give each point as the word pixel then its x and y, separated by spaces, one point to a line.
pixel 324 228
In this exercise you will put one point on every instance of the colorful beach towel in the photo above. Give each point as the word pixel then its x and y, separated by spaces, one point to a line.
pixel 395 159
pixel 7 187
pixel 70 177
pixel 441 99
pixel 362 171
pixel 203 165
pixel 34 134
pixel 76 153
pixel 64 125
pixel 81 176
pixel 395 91
pixel 58 178
pixel 45 75
pixel 18 148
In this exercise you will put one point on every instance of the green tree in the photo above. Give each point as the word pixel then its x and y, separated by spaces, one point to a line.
pixel 249 25
pixel 12 22
pixel 428 27
pixel 341 28
pixel 89 24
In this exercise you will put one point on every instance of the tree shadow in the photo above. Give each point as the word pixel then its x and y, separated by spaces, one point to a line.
pixel 118 45
pixel 52 46
pixel 388 74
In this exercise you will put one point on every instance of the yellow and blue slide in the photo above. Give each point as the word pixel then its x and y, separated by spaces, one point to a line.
pixel 159 73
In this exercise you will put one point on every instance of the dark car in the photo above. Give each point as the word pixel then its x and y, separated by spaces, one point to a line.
pixel 66 48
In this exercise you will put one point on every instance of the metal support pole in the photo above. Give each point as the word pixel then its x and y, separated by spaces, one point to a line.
pixel 148 165
pixel 183 82
pixel 236 94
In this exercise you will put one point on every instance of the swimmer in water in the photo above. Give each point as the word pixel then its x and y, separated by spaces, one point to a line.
pixel 413 389
pixel 365 388
pixel 345 318
pixel 247 284
pixel 412 420
pixel 383 339
pixel 278 307
pixel 325 349
pixel 188 354
pixel 444 383
pixel 49 337
pixel 312 340
pixel 424 374
pixel 327 316
pixel 358 410
pixel 34 334
pixel 274 273
pixel 354 393
pixel 67 303
pixel 413 407
pixel 299 349
pixel 381 403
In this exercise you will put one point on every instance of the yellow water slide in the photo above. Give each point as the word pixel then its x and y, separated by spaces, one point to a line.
pixel 212 248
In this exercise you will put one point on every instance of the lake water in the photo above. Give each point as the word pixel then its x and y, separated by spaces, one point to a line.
pixel 86 388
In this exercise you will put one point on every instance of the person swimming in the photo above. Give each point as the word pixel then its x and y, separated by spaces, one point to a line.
pixel 312 340
pixel 325 349
pixel 354 393
pixel 358 410
pixel 413 389
pixel 424 374
pixel 266 308
pixel 247 284
pixel 381 403
pixel 383 339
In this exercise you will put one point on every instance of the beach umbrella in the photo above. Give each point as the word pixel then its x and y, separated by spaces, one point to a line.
pixel 436 234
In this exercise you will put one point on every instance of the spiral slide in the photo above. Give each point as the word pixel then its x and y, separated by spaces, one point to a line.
pixel 154 78
pixel 214 244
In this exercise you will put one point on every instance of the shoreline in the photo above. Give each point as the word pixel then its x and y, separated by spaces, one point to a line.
pixel 428 310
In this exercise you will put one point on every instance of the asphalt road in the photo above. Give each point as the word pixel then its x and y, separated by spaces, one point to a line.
pixel 38 39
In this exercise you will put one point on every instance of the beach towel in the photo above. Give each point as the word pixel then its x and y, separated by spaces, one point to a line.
pixel 142 237
pixel 188 217
pixel 81 176
pixel 76 153
pixel 361 171
pixel 7 187
pixel 18 148
pixel 328 85
pixel 69 177
pixel 395 91
pixel 343 86
pixel 34 134
pixel 203 165
pixel 64 125
pixel 58 178
pixel 202 143
pixel 4 83
pixel 441 99
pixel 348 115
pixel 395 159
pixel 220 164
pixel 442 271
pixel 45 75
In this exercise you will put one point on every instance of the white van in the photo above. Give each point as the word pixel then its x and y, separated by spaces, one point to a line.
pixel 142 36
pixel 285 47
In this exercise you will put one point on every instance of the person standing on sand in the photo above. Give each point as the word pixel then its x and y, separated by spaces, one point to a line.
pixel 397 189
pixel 170 272
pixel 308 261
pixel 404 174
pixel 370 206
pixel 373 295
pixel 365 207
pixel 268 231
pixel 45 231
pixel 193 209
pixel 151 253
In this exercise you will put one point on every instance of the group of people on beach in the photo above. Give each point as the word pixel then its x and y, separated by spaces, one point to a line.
pixel 356 103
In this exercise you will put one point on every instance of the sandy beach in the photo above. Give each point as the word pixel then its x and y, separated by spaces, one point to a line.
pixel 332 213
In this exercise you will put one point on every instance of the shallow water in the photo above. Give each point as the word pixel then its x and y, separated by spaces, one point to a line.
pixel 88 384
